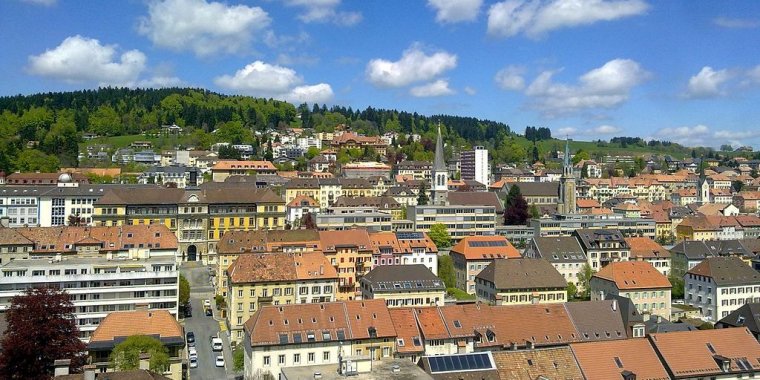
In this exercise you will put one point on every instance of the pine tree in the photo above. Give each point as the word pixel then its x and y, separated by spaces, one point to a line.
pixel 422 197
pixel 515 207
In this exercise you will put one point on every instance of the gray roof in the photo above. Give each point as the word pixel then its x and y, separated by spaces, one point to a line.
pixel 522 274
pixel 597 320
pixel 727 271
pixel 665 327
pixel 476 198
pixel 693 250
pixel 439 164
pixel 559 249
pixel 400 191
pixel 590 238
pixel 402 278
pixel 537 189
pixel 746 316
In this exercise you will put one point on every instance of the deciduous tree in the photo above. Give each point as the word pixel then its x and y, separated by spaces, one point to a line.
pixel 446 271
pixel 440 235
pixel 515 207
pixel 41 329
pixel 184 290
pixel 584 278
pixel 126 355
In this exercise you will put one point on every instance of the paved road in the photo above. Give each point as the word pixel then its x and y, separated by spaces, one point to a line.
pixel 204 327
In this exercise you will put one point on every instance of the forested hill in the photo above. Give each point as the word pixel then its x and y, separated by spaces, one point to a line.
pixel 38 131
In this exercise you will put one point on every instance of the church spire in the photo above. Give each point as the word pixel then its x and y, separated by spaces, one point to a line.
pixel 439 164
pixel 567 152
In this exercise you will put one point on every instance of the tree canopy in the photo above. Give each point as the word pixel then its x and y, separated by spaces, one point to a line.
pixel 126 355
pixel 439 234
pixel 41 329
pixel 515 208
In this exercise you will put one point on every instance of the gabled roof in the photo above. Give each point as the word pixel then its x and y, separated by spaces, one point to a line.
pixel 367 316
pixel 402 278
pixel 244 165
pixel 358 238
pixel 559 249
pixel 545 363
pixel 279 325
pixel 633 275
pixel 485 248
pixel 748 315
pixel 538 189
pixel 690 354
pixel 302 201
pixel 522 274
pixel 607 360
pixel 727 271
pixel 430 322
pixel 408 336
pixel 476 198
pixel 122 324
pixel 597 320
pixel 692 249
pixel 11 236
pixel 275 267
pixel 644 247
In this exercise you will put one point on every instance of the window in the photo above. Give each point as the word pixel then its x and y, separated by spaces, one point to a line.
pixel 281 360
pixel 310 357
pixel 296 358
pixel 326 356
pixel 267 361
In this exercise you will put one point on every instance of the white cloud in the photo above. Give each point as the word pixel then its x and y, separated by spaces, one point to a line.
pixel 160 82
pixel 596 131
pixel 753 75
pixel 687 135
pixel 205 28
pixel 568 131
pixel 414 66
pixel 324 11
pixel 736 23
pixel 80 59
pixel 46 3
pixel 437 88
pixel 274 40
pixel 511 78
pixel 707 83
pixel 453 11
pixel 606 130
pixel 536 18
pixel 470 90
pixel 604 87
pixel 266 80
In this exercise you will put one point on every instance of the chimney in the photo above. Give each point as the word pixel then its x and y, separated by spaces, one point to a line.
pixel 614 305
pixel 321 270
pixel 61 367
pixel 145 361
pixel 89 372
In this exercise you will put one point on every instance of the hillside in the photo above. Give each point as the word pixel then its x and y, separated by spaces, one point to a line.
pixel 45 131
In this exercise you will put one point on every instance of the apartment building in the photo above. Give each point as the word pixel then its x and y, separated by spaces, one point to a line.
pixel 475 166
pixel 418 170
pixel 564 253
pixel 403 286
pixel 473 253
pixel 646 249
pixel 159 324
pixel 226 168
pixel 256 280
pixel 460 220
pixel 566 224
pixel 602 246
pixel 343 218
pixel 350 253
pixel 285 336
pixel 719 285
pixel 404 248
pixel 619 359
pixel 327 190
pixel 520 281
pixel 639 281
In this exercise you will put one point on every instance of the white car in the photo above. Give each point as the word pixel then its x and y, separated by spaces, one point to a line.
pixel 206 303
pixel 192 353
pixel 220 361
pixel 193 362
pixel 216 344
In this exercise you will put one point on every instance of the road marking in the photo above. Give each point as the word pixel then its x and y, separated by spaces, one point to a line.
pixel 222 326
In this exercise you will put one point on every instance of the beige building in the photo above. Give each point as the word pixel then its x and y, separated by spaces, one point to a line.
pixel 520 281
pixel 350 253
pixel 225 168
pixel 473 253
pixel 639 281
pixel 261 279
pixel 403 285
pixel 646 249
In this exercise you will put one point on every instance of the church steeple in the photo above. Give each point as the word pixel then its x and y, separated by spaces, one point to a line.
pixel 567 168
pixel 440 172
pixel 567 195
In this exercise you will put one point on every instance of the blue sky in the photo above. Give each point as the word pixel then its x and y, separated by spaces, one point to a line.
pixel 684 71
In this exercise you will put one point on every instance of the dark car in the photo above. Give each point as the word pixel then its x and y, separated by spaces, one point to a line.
pixel 188 311
pixel 190 337
pixel 209 312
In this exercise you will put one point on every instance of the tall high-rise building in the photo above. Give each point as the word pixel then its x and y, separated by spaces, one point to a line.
pixel 440 185
pixel 475 165
pixel 567 195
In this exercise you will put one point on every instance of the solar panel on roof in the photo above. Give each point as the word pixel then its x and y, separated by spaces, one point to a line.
pixel 481 244
pixel 466 362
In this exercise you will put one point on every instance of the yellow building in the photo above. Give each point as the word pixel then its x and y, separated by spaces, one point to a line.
pixel 520 281
pixel 350 253
pixel 261 279
pixel 327 190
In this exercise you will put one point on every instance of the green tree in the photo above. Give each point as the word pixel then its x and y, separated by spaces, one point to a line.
pixel 515 207
pixel 584 279
pixel 572 290
pixel 677 291
pixel 534 212
pixel 105 121
pixel 31 160
pixel 227 152
pixel 440 235
pixel 580 155
pixel 311 152
pixel 446 271
pixel 238 358
pixel 422 196
pixel 184 290
pixel 126 355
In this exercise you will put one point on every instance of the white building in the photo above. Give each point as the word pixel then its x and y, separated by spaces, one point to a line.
pixel 475 165
pixel 98 286
pixel 720 285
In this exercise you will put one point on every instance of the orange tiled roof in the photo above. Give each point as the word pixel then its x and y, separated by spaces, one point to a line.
pixel 138 322
pixel 587 203
pixel 485 248
pixel 406 330
pixel 244 165
pixel 644 247
pixel 358 238
pixel 269 267
pixel 633 275
pixel 300 200
pixel 599 360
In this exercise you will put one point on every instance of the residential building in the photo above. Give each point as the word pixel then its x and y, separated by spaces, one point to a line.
pixel 403 285
pixel 419 170
pixel 473 253
pixel 346 218
pixel 181 176
pixel 404 248
pixel 475 166
pixel 460 220
pixel 118 325
pixel 719 285
pixel 646 249
pixel 538 193
pixel 350 253
pixel 598 320
pixel 748 315
pixel 565 225
pixel 103 269
pixel 384 204
pixel 627 359
pixel 255 280
pixel 225 168
pixel 408 336
pixel 300 206
pixel 520 281
pixel 351 140
pixel 365 170
pixel 14 245
pixel 747 200
pixel 649 289
pixel 42 179
pixel 326 190
pixel 564 253
pixel 687 254
pixel 286 336
pixel 548 363
pixel 713 354
pixel 602 246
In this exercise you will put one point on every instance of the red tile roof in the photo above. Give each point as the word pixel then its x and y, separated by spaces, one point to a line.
pixel 485 248
pixel 633 275
pixel 138 322
pixel 607 359
pixel 644 247
pixel 406 330
pixel 273 267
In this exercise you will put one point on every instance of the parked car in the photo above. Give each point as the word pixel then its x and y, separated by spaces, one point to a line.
pixel 188 311
pixel 206 303
pixel 216 344
pixel 192 353
pixel 193 362
pixel 220 361
pixel 209 312
pixel 190 337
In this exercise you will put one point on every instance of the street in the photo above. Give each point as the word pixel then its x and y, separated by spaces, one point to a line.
pixel 204 326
